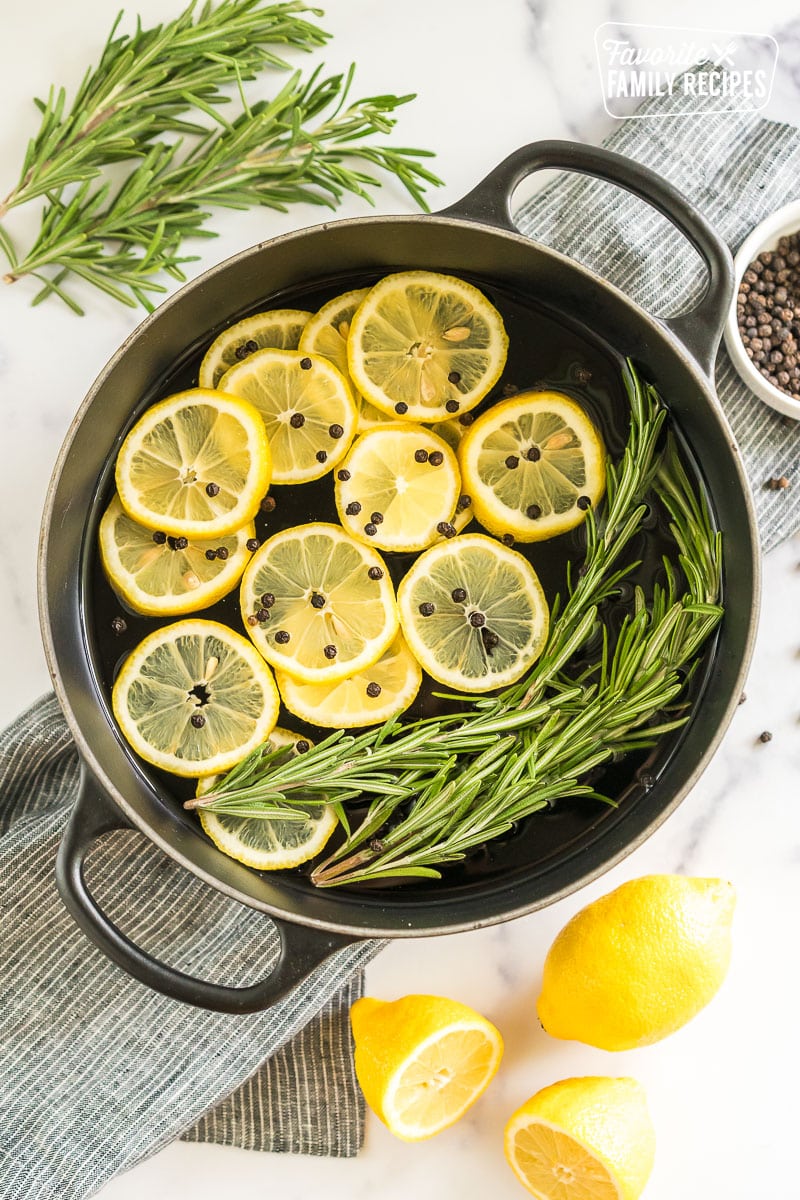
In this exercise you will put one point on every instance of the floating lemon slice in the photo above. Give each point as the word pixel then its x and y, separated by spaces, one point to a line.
pixel 196 465
pixel 583 1139
pixel 533 466
pixel 307 408
pixel 279 329
pixel 269 843
pixel 425 347
pixel 194 697
pixel 165 576
pixel 398 488
pixel 326 333
pixel 422 1061
pixel 374 694
pixel 318 604
pixel 473 613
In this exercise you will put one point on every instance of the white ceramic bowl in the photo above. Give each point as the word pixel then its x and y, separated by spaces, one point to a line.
pixel 765 236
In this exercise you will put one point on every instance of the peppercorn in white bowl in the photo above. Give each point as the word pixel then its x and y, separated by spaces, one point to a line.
pixel 765 237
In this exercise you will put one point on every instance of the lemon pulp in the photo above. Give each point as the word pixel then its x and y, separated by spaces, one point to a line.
pixel 194 697
pixel 424 346
pixel 196 464
pixel 279 329
pixel 307 408
pixel 317 603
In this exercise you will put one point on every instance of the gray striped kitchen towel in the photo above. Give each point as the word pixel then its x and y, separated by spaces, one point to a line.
pixel 737 168
pixel 97 1071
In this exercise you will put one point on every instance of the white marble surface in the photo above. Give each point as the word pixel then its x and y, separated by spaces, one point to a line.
pixel 722 1092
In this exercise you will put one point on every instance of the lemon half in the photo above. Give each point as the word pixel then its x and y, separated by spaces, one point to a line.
pixel 422 1061
pixel 589 1138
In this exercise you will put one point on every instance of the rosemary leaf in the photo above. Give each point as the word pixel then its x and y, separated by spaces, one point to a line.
pixel 270 155
pixel 145 81
pixel 439 787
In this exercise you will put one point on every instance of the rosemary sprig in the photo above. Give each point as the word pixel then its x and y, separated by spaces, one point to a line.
pixel 143 102
pixel 146 81
pixel 291 149
pixel 461 780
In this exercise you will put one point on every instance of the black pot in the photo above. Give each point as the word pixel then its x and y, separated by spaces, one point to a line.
pixel 475 236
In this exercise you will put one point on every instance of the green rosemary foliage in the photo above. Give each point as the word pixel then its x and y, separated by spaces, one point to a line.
pixel 461 780
pixel 146 81
pixel 310 144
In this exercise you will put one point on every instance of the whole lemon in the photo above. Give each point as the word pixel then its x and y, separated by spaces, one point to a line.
pixel 637 964
pixel 583 1137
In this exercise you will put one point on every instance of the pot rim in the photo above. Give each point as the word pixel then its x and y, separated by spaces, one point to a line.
pixel 661 330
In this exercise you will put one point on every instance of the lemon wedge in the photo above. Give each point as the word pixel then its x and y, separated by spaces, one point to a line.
pixel 425 347
pixel 473 613
pixel 195 465
pixel 307 408
pixel 165 576
pixel 278 329
pixel 533 465
pixel 318 604
pixel 398 488
pixel 369 697
pixel 194 697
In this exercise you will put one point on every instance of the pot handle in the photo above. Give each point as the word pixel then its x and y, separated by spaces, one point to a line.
pixel 302 948
pixel 700 329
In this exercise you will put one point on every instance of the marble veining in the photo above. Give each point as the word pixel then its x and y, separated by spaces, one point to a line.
pixel 490 78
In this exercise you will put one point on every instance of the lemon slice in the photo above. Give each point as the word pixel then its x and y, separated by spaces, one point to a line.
pixel 306 405
pixel 369 697
pixel 398 488
pixel 589 1138
pixel 422 1061
pixel 195 465
pixel 326 333
pixel 425 347
pixel 318 604
pixel 194 697
pixel 279 329
pixel 473 613
pixel 533 466
pixel 166 576
pixel 269 843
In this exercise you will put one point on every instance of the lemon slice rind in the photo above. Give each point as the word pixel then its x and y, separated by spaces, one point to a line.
pixel 558 486
pixel 181 447
pixel 420 342
pixel 162 684
pixel 501 585
pixel 279 329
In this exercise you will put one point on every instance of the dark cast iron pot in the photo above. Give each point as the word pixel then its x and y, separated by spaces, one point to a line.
pixel 475 236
